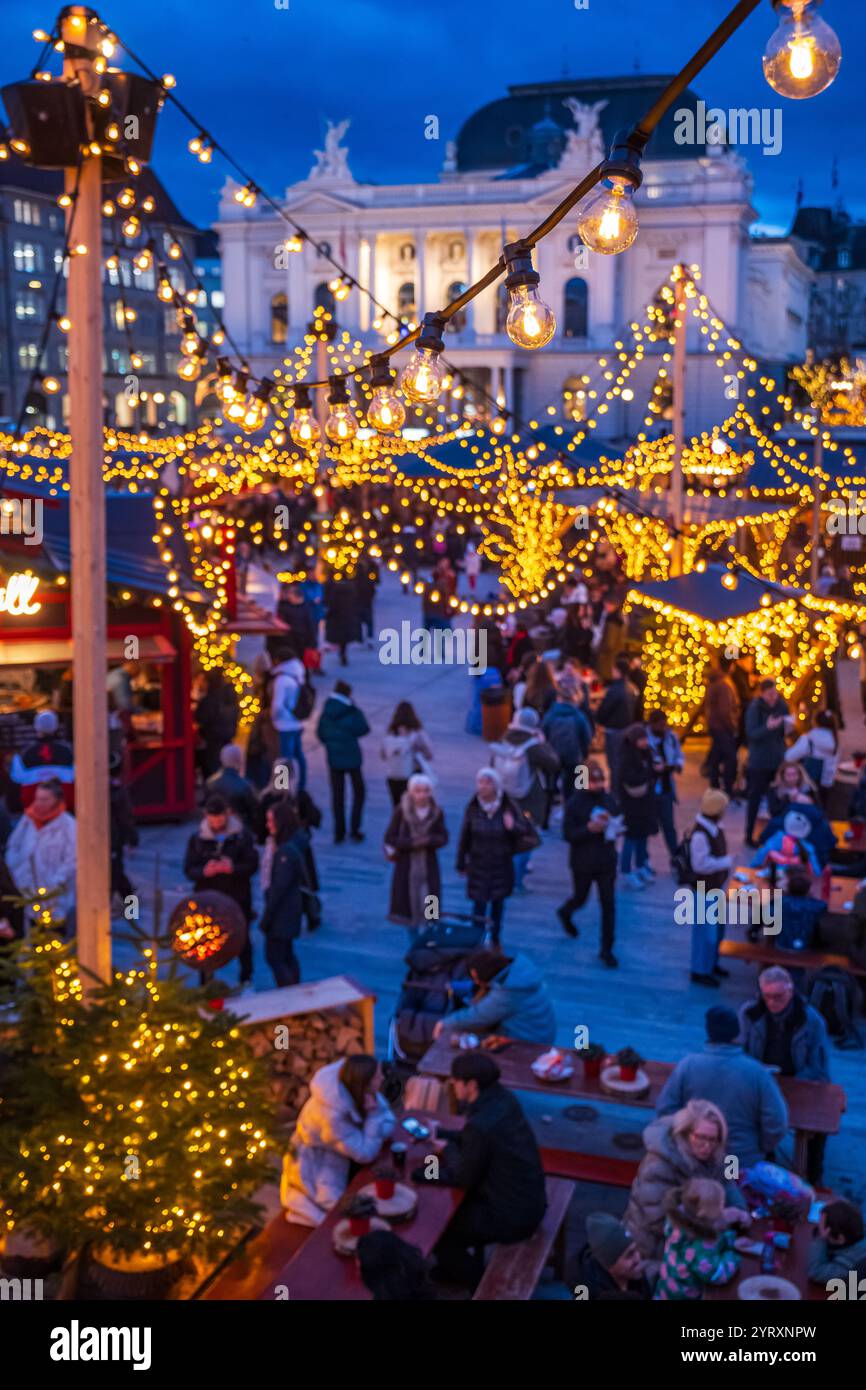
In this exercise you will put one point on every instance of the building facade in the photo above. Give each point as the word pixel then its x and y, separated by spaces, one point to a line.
pixel 32 237
pixel 418 245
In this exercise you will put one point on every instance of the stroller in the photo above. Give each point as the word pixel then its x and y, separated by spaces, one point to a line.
pixel 436 964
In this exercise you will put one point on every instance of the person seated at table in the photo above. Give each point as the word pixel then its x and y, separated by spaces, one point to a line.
pixel 791 786
pixel 743 1090
pixel 781 1030
pixel 693 1143
pixel 821 836
pixel 495 1159
pixel 510 997
pixel 839 1244
pixel 610 1267
pixel 789 847
pixel 345 1121
pixel 392 1270
pixel 699 1242
pixel 801 913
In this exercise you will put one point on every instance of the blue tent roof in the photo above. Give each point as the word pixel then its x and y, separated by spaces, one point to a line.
pixel 704 594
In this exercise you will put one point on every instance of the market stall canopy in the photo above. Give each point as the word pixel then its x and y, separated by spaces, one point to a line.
pixel 38 652
pixel 708 596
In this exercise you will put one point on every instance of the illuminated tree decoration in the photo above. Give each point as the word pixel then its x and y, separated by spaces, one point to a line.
pixel 207 931
pixel 835 388
pixel 524 529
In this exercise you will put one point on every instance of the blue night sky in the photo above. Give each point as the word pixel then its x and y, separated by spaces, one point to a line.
pixel 264 80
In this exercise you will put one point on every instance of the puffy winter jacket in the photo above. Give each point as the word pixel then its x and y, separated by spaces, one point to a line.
pixel 329 1135
pixel 568 732
pixel 808 1040
pixel 516 1003
pixel 341 725
pixel 744 1091
pixel 45 859
pixel 287 679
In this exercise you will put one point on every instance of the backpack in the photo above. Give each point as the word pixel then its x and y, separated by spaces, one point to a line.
pixel 834 994
pixel 681 862
pixel 568 735
pixel 305 699
pixel 511 761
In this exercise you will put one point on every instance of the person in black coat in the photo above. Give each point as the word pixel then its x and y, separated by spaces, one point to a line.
pixel 494 830
pixel 495 1159
pixel 216 716
pixel 221 856
pixel 294 610
pixel 232 786
pixel 415 832
pixel 342 625
pixel 636 796
pixel 283 907
pixel 616 713
pixel 589 813
pixel 610 1267
pixel 366 582
pixel 123 829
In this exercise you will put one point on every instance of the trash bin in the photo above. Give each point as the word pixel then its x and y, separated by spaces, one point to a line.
pixel 495 712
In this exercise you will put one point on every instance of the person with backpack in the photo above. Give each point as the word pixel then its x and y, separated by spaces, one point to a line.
pixel 781 1030
pixel 494 830
pixel 702 857
pixel 590 826
pixel 816 752
pixel 292 701
pixel 528 768
pixel 636 795
pixel 341 727
pixel 568 731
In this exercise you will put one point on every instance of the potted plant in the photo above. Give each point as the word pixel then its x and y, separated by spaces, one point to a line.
pixel 592 1057
pixel 628 1061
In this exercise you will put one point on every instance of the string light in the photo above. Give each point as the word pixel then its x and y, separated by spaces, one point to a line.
pixel 803 54
pixel 422 377
pixel 530 323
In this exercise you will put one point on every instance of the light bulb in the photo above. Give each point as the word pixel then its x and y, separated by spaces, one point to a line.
pixel 608 222
pixel 189 369
pixel 237 407
pixel 530 323
pixel 803 55
pixel 421 378
pixel 304 428
pixel 340 424
pixel 254 416
pixel 386 412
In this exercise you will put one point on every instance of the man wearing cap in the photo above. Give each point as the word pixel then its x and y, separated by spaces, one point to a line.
pixel 45 758
pixel 495 1159
pixel 710 865
pixel 742 1088
pixel 610 1266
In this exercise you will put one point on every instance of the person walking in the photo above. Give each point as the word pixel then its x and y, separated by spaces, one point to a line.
pixel 494 829
pixel 341 727
pixel 722 717
pixel 296 612
pixel 636 796
pixel 615 714
pixel 568 731
pixel 745 1092
pixel 291 704
pixel 342 625
pixel 366 582
pixel 528 768
pixel 668 762
pixel 767 721
pixel 415 833
pixel 708 864
pixel 282 876
pixel 405 749
pixel 589 827
pixel 221 856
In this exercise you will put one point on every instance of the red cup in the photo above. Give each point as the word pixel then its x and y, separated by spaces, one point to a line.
pixel 628 1073
pixel 384 1187
pixel 592 1068
pixel 359 1225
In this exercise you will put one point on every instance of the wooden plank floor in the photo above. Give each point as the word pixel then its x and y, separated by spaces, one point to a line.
pixel 649 1002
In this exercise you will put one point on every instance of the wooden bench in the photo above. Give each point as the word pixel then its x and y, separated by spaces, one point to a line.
pixel 580 1167
pixel 254 1268
pixel 514 1270
pixel 774 955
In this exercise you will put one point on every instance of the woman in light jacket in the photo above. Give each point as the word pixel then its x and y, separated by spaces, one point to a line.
pixel 344 1121
pixel 404 747
pixel 817 753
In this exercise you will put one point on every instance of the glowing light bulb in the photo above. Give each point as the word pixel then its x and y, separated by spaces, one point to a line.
pixel 386 411
pixel 304 428
pixel 340 424
pixel 530 322
pixel 608 222
pixel 51 385
pixel 189 369
pixel 421 378
pixel 803 55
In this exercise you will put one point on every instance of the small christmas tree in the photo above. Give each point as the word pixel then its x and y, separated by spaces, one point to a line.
pixel 162 1137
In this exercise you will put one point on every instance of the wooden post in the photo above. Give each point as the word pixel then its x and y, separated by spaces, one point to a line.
pixel 679 424
pixel 87 537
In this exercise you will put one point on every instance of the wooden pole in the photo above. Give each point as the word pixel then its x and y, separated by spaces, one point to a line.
pixel 679 426
pixel 87 537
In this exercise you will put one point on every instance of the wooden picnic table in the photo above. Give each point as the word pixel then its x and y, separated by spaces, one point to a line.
pixel 839 901
pixel 316 1272
pixel 814 1107
pixel 791 1264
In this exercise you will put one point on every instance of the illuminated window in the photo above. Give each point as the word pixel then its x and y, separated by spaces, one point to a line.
pixel 324 298
pixel 575 318
pixel 455 289
pixel 406 299
pixel 279 318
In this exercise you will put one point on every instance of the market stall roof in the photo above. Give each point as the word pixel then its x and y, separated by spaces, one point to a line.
pixel 704 594
pixel 38 652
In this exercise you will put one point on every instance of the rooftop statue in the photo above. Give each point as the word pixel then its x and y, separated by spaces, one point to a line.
pixel 333 161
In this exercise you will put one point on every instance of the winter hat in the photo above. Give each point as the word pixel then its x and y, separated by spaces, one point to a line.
pixel 607 1237
pixel 713 802
pixel 722 1024
pixel 526 718
pixel 46 723
pixel 492 774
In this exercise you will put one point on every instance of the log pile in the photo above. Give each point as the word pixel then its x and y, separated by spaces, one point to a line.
pixel 297 1046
